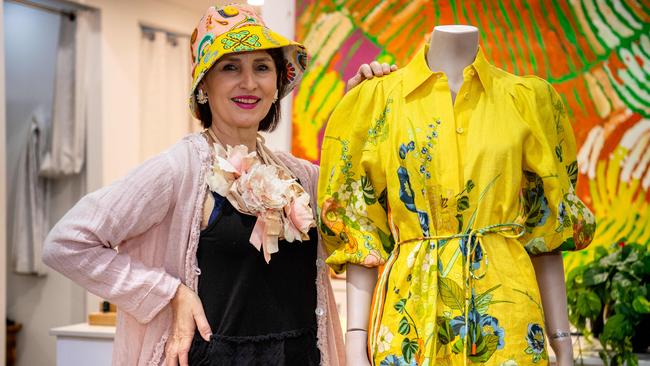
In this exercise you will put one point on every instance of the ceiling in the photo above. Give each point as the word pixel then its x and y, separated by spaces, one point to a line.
pixel 200 5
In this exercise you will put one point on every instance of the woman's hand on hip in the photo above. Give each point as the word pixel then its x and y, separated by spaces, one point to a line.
pixel 368 71
pixel 188 316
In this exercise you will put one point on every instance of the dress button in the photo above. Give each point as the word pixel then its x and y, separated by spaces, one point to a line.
pixel 466 96
pixel 460 130
pixel 320 311
pixel 320 263
pixel 472 72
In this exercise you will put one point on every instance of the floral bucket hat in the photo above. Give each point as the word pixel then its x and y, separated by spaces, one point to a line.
pixel 237 28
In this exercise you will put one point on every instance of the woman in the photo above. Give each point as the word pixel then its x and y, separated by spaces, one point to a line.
pixel 170 243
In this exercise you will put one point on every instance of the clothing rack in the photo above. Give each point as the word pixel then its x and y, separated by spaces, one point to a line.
pixel 50 9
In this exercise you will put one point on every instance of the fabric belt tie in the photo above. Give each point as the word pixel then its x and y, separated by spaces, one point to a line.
pixel 474 238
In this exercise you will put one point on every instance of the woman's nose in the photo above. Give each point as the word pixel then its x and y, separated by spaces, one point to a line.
pixel 248 81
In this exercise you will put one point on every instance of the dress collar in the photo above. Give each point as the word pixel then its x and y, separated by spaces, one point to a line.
pixel 417 71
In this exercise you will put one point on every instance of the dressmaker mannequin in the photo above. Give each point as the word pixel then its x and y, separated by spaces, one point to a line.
pixel 459 43
pixel 452 48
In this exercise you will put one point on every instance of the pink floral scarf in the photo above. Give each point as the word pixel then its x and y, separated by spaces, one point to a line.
pixel 259 184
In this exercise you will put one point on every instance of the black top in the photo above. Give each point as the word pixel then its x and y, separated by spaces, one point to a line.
pixel 259 313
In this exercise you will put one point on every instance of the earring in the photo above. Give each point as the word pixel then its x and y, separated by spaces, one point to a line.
pixel 275 96
pixel 201 96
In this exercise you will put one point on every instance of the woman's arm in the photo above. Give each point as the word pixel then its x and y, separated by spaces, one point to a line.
pixel 83 244
pixel 549 270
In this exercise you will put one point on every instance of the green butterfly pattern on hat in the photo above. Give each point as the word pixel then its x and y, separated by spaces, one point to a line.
pixel 241 41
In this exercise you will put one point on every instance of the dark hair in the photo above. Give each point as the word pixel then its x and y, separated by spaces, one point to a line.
pixel 270 121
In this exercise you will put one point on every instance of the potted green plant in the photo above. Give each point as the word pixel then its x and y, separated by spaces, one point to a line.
pixel 608 299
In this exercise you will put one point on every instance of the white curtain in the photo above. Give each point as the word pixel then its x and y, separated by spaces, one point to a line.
pixel 75 62
pixel 54 150
pixel 30 213
pixel 165 82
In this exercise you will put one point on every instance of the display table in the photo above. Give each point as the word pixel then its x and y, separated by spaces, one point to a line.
pixel 83 344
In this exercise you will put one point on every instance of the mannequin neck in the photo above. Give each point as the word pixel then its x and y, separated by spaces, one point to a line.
pixel 452 48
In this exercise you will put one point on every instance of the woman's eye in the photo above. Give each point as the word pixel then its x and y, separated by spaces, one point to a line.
pixel 263 67
pixel 228 67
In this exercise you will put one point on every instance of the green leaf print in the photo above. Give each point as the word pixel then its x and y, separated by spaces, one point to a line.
pixel 404 327
pixel 459 217
pixel 470 223
pixel 483 300
pixel 572 171
pixel 409 349
pixel 469 185
pixel 558 152
pixel 451 294
pixel 368 191
pixel 482 303
pixel 383 199
pixel 400 305
pixel 463 204
pixel 445 332
pixel 387 241
pixel 485 348
pixel 458 346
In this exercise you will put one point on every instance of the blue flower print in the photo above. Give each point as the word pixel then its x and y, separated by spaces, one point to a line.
pixel 488 321
pixel 407 196
pixel 405 149
pixel 406 193
pixel 535 340
pixel 478 329
pixel 423 217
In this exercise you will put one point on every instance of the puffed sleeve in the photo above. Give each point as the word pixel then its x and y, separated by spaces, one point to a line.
pixel 352 184
pixel 556 219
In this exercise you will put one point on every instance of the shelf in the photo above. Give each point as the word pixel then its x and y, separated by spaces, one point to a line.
pixel 84 330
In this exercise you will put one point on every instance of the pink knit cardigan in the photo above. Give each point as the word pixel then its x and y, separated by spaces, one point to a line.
pixel 135 240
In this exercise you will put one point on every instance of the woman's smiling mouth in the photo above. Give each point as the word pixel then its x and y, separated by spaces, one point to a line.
pixel 246 101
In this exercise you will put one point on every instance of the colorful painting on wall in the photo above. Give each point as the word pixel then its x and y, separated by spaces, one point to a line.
pixel 596 53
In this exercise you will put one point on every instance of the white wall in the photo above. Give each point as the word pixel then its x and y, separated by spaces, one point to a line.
pixel 120 74
pixel 3 198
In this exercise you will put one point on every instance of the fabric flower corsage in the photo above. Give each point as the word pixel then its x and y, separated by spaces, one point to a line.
pixel 262 189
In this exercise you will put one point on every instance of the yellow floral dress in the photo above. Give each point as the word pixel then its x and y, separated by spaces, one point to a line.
pixel 452 200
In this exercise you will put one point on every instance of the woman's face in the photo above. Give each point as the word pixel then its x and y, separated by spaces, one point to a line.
pixel 241 88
